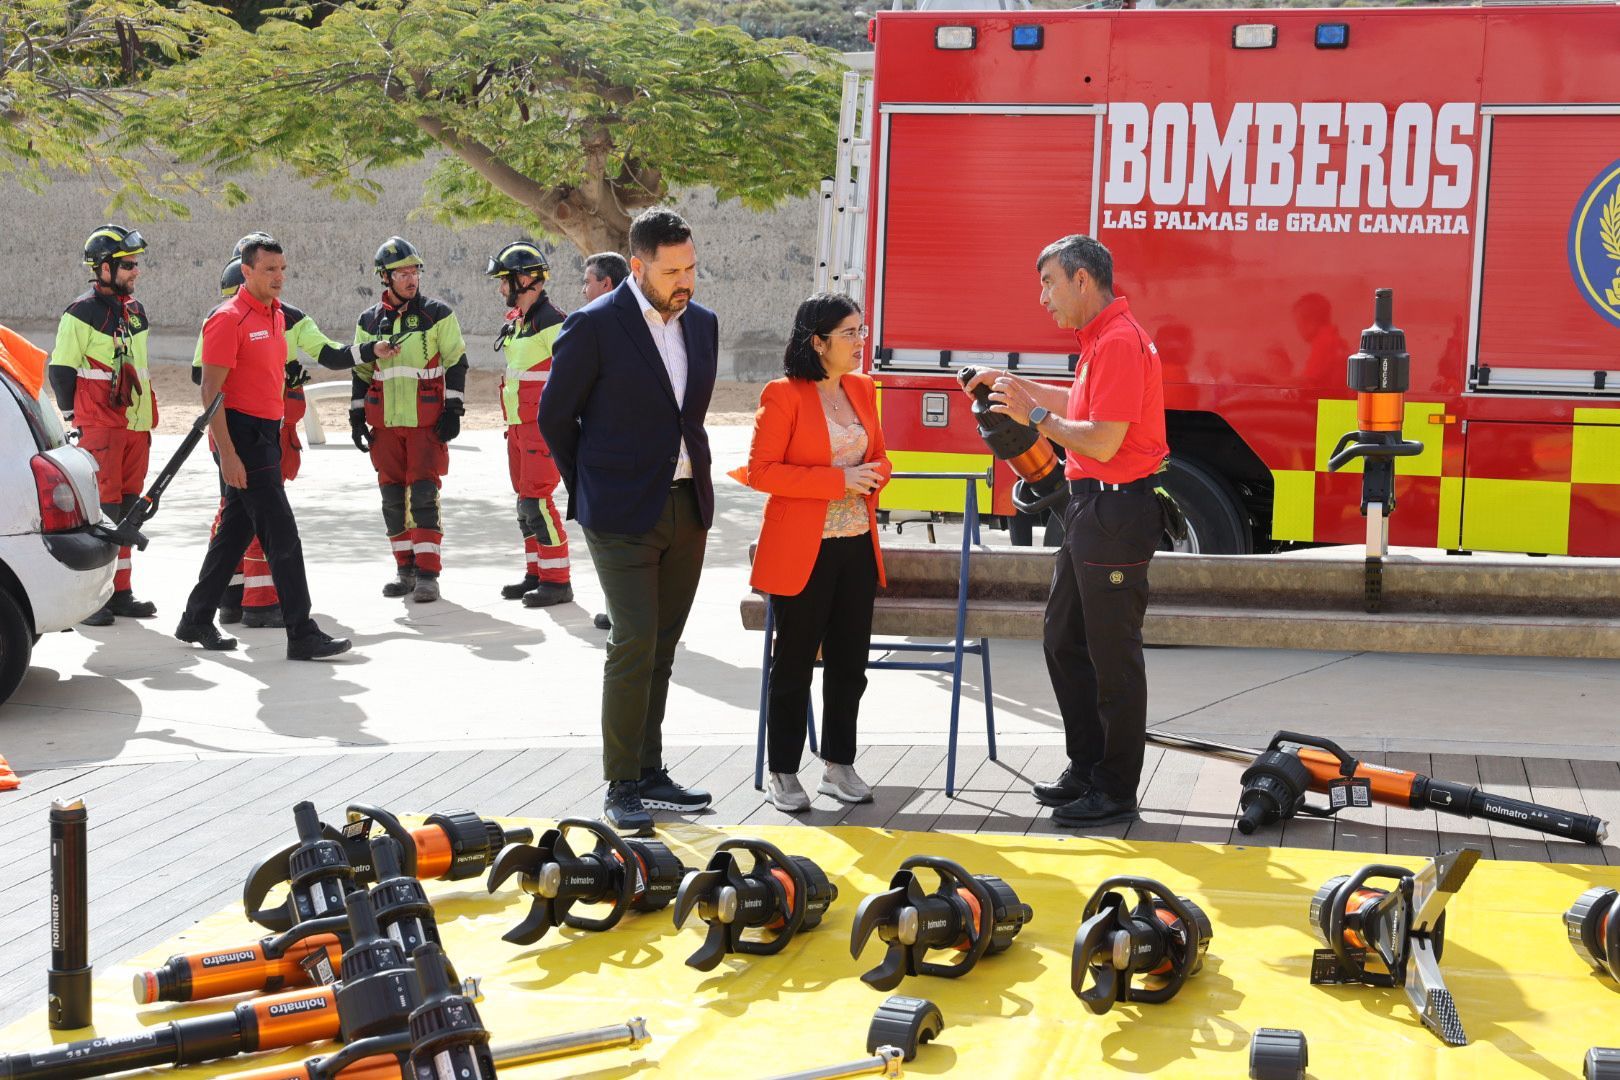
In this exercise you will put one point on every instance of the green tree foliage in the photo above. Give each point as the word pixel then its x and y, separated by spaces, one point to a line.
pixel 566 114
pixel 69 71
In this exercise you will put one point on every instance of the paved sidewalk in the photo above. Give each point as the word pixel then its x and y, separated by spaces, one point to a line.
pixel 476 671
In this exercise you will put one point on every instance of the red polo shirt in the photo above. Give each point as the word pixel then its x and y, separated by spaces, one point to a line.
pixel 1118 379
pixel 250 338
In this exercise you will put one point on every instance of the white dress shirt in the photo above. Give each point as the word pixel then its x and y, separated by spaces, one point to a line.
pixel 671 345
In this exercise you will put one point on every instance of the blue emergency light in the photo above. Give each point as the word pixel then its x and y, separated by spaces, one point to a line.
pixel 1028 37
pixel 1332 35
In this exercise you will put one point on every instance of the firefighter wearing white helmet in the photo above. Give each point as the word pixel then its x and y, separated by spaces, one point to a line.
pixel 406 409
pixel 98 373
pixel 532 325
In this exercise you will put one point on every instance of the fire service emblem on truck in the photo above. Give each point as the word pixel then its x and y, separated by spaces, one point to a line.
pixel 1594 244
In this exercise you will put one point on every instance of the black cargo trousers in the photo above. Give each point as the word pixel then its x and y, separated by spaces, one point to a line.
pixel 1093 630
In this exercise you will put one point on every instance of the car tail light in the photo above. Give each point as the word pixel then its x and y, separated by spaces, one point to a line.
pixel 59 509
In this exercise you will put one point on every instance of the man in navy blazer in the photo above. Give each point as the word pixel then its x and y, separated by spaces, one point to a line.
pixel 631 377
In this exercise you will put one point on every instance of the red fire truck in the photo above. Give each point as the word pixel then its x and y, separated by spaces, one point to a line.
pixel 1257 174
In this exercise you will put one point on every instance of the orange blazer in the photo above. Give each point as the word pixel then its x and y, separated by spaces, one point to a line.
pixel 791 461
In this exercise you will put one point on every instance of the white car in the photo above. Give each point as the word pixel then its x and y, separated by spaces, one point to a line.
pixel 56 562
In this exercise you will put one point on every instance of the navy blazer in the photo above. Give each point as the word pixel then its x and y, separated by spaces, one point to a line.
pixel 609 413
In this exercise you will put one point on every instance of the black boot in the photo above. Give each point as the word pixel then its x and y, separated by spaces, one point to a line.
pixel 547 593
pixel 404 584
pixel 316 645
pixel 102 616
pixel 515 592
pixel 205 634
pixel 263 618
pixel 123 603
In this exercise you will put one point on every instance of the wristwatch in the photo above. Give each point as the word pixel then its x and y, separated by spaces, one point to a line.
pixel 1037 414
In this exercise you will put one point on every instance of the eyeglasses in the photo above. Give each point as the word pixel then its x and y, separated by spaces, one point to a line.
pixel 854 333
pixel 126 264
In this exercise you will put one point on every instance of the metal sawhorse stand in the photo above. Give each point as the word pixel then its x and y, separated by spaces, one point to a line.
pixel 958 646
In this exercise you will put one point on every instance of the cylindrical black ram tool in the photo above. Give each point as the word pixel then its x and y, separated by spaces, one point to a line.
pixel 68 980
pixel 1450 797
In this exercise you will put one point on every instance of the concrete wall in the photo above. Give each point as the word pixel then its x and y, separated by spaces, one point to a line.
pixel 753 269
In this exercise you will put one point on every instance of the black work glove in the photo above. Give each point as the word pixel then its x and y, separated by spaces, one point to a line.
pixel 297 375
pixel 358 430
pixel 449 425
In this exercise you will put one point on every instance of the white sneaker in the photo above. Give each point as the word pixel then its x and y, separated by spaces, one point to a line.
pixel 841 783
pixel 786 793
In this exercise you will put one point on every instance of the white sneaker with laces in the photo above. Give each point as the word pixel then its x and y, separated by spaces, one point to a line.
pixel 841 782
pixel 786 793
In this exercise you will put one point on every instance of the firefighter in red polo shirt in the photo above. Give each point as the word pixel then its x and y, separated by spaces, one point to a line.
pixel 1111 422
pixel 244 355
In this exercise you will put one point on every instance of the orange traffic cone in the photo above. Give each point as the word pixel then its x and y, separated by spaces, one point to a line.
pixel 8 779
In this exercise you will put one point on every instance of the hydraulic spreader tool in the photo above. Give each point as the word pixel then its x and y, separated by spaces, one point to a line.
pixel 1040 484
pixel 397 902
pixel 629 875
pixel 1594 929
pixel 451 846
pixel 778 897
pixel 1293 765
pixel 1163 938
pixel 1393 936
pixel 974 914
pixel 1380 373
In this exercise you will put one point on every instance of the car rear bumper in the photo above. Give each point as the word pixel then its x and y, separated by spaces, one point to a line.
pixel 58 594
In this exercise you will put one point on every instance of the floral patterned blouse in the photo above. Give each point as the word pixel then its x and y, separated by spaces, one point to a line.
pixel 847 516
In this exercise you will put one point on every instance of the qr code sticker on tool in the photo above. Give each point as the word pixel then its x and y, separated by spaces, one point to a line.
pixel 1349 792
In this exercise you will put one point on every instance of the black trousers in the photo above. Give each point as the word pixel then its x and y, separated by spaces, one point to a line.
pixel 261 509
pixel 1093 634
pixel 649 581
pixel 832 613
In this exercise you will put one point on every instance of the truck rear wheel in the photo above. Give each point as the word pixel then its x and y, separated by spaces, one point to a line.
pixel 1217 523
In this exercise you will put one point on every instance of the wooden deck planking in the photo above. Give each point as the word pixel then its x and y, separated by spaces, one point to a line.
pixel 173 841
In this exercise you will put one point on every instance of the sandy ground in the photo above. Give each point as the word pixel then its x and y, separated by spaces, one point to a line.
pixel 733 402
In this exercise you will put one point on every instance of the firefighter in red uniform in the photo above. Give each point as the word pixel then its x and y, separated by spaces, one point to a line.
pixel 251 598
pixel 98 373
pixel 1111 422
pixel 532 325
pixel 405 410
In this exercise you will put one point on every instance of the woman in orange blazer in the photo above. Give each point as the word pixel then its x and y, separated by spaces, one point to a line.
pixel 818 453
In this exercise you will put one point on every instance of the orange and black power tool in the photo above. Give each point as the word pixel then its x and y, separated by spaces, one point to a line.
pixel 1040 484
pixel 1393 936
pixel 1380 373
pixel 778 897
pixel 627 875
pixel 975 915
pixel 451 846
pixel 294 958
pixel 442 1038
pixel 1277 780
pixel 265 1023
pixel 1594 930
pixel 1163 939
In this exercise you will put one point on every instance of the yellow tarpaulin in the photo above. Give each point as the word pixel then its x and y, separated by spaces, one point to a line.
pixel 1530 1005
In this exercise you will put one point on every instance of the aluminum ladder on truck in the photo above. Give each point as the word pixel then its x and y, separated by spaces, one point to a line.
pixel 841 228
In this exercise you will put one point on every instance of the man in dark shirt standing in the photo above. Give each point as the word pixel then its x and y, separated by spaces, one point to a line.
pixel 1111 423
pixel 244 354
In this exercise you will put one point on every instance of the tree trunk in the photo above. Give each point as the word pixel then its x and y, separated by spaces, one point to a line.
pixel 588 231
